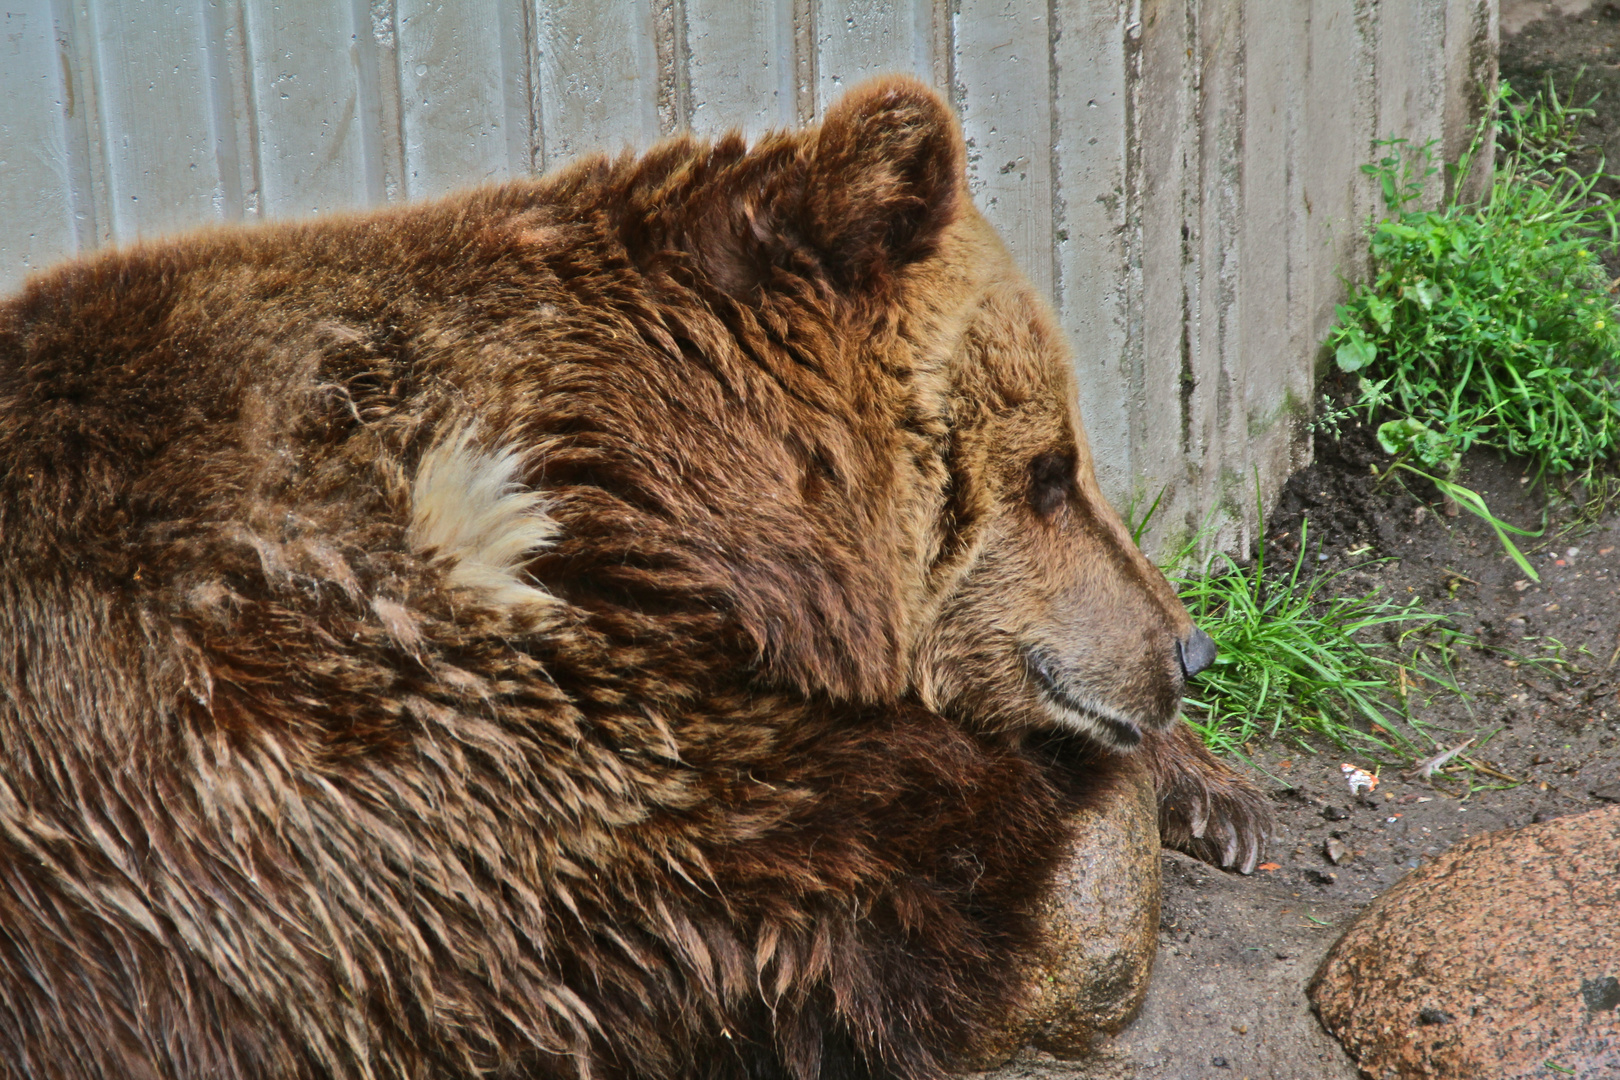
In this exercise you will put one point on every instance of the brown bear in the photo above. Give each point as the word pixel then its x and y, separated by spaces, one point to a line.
pixel 654 620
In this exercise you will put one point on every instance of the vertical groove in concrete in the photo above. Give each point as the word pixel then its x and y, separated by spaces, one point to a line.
pixel 390 101
pixel 1057 210
pixel 936 59
pixel 664 38
pixel 520 119
pixel 538 118
pixel 1192 214
pixel 372 53
pixel 805 69
pixel 93 85
pixel 238 61
pixel 1132 360
pixel 1227 193
pixel 222 109
pixel 674 70
pixel 1275 288
pixel 85 179
pixel 1094 168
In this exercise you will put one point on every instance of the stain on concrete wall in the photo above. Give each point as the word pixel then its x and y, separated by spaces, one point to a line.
pixel 1181 177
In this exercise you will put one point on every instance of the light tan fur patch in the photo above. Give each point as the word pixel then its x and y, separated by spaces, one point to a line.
pixel 467 506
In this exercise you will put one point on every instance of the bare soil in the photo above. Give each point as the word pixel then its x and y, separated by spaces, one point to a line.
pixel 1538 678
pixel 1541 702
pixel 1581 51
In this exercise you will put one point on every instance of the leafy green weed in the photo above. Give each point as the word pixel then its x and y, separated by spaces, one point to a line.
pixel 1492 323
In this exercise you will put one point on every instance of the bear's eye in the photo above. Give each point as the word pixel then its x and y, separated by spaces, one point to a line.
pixel 1051 476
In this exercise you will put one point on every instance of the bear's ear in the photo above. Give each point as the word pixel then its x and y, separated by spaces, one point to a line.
pixel 854 200
pixel 885 180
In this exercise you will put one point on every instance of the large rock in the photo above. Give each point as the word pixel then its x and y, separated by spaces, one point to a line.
pixel 1501 959
pixel 1102 922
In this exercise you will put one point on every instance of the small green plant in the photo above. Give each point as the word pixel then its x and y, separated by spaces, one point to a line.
pixel 1491 323
pixel 1546 126
pixel 1594 497
pixel 1294 658
pixel 1407 438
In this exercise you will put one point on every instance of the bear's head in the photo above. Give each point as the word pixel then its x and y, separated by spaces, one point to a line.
pixel 1045 611
pixel 890 491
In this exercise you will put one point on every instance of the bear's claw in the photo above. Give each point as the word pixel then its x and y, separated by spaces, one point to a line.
pixel 1206 809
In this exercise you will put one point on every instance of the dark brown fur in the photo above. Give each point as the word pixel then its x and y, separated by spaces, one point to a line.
pixel 767 786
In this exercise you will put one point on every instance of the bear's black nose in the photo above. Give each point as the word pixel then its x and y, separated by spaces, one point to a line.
pixel 1196 652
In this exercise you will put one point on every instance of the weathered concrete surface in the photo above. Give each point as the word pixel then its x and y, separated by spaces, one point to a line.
pixel 1182 177
pixel 1103 924
pixel 1499 959
pixel 1252 121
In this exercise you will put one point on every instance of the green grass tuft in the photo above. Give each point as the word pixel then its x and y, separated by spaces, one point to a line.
pixel 1296 659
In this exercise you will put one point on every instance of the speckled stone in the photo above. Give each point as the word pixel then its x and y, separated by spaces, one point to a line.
pixel 1499 960
pixel 1102 930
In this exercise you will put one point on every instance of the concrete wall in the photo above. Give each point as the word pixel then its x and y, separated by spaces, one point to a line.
pixel 1182 178
pixel 1245 208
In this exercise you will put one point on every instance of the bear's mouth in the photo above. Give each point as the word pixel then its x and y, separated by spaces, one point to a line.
pixel 1090 717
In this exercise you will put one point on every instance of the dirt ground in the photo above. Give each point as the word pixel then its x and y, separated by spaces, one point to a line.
pixel 1581 51
pixel 1538 664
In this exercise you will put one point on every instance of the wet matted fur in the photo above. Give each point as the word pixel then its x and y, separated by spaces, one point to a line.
pixel 654 620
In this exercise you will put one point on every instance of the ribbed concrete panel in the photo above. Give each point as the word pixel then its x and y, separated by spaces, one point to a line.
pixel 1181 177
pixel 1217 401
pixel 598 76
pixel 457 118
pixel 1340 129
pixel 1095 283
pixel 1275 317
pixel 1164 348
pixel 319 129
pixel 741 68
pixel 156 124
pixel 34 139
pixel 856 39
pixel 1004 93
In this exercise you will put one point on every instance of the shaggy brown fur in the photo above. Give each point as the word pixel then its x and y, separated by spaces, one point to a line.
pixel 609 625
